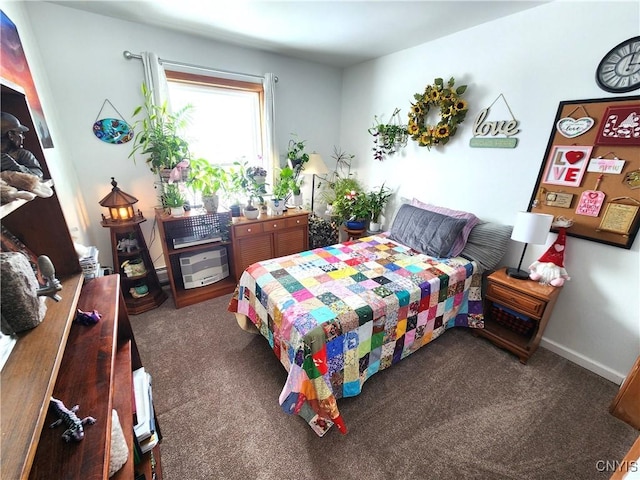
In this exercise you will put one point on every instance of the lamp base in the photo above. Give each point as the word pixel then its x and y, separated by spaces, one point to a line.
pixel 519 274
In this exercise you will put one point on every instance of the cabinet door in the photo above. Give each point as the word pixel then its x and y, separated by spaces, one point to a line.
pixel 290 241
pixel 252 249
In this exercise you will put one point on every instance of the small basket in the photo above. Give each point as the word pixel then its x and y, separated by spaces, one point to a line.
pixel 512 320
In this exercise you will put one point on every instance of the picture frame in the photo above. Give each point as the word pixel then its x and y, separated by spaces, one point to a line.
pixel 620 126
pixel 572 177
pixel 566 165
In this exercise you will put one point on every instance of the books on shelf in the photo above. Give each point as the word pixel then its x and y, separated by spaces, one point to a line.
pixel 145 427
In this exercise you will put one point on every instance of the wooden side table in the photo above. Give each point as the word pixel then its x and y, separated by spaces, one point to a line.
pixel 354 234
pixel 516 313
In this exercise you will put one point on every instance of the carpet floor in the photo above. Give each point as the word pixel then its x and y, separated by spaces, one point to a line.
pixel 459 408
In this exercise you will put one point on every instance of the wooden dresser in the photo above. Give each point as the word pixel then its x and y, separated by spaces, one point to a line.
pixel 268 237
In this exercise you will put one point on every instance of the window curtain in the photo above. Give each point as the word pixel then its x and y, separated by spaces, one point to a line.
pixel 269 141
pixel 155 78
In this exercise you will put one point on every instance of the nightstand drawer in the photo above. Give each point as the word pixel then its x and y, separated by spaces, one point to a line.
pixel 518 301
pixel 244 230
pixel 274 225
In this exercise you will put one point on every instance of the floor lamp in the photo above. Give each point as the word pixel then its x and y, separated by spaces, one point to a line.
pixel 315 166
pixel 529 228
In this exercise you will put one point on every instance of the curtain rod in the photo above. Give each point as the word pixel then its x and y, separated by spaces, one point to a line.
pixel 128 55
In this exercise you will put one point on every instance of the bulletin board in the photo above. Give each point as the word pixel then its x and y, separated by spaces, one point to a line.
pixel 590 172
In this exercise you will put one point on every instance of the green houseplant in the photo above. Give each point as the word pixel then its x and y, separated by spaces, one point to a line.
pixel 157 134
pixel 173 199
pixel 296 156
pixel 377 201
pixel 388 137
pixel 208 179
pixel 352 206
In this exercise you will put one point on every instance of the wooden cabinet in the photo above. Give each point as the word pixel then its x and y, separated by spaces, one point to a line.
pixel 246 242
pixel 123 250
pixel 197 224
pixel 269 237
pixel 516 313
pixel 82 365
pixel 626 405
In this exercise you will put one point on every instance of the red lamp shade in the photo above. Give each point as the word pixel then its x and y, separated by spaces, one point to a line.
pixel 119 203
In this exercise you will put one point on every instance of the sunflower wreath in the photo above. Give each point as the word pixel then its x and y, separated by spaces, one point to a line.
pixel 453 110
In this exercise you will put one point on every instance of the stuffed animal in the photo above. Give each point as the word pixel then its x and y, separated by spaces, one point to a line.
pixel 26 182
pixel 9 193
pixel 549 268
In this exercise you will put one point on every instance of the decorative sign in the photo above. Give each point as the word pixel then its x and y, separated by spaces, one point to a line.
pixel 618 218
pixel 591 201
pixel 566 165
pixel 112 130
pixel 620 126
pixel 571 128
pixel 558 199
pixel 606 165
pixel 632 179
pixel 482 128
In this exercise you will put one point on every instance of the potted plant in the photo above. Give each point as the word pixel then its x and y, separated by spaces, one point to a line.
pixel 256 189
pixel 353 209
pixel 157 136
pixel 388 137
pixel 281 188
pixel 296 157
pixel 207 179
pixel 235 186
pixel 377 201
pixel 173 199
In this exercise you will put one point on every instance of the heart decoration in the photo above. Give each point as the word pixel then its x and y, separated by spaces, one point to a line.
pixel 574 156
pixel 558 248
pixel 593 194
pixel 571 128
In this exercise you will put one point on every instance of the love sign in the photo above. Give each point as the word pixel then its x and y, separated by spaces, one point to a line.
pixel 566 165
pixel 572 128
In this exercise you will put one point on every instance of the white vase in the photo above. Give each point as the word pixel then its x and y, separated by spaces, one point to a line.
pixel 374 226
pixel 251 214
pixel 177 211
pixel 297 200
pixel 276 206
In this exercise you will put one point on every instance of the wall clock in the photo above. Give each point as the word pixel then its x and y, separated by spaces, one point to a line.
pixel 619 69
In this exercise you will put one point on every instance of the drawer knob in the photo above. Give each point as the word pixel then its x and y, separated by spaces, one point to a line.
pixel 275 225
pixel 297 221
pixel 248 229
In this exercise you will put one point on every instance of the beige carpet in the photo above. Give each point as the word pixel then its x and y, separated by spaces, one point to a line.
pixel 459 408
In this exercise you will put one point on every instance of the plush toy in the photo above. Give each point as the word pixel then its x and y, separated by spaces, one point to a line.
pixel 25 182
pixel 9 193
pixel 549 268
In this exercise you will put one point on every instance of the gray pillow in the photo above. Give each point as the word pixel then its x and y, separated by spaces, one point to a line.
pixel 487 244
pixel 428 232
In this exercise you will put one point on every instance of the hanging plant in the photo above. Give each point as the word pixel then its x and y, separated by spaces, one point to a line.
pixel 388 137
pixel 452 108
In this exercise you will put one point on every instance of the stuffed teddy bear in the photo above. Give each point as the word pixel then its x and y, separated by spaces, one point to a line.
pixel 26 186
pixel 549 268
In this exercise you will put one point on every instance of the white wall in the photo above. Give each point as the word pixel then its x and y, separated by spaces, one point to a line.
pixel 536 58
pixel 81 56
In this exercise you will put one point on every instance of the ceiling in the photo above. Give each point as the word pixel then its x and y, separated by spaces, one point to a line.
pixel 340 33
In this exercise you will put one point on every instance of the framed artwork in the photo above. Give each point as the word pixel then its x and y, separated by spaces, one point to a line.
pixel 566 165
pixel 592 179
pixel 15 69
pixel 620 126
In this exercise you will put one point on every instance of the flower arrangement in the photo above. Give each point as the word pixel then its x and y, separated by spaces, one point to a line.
pixel 452 108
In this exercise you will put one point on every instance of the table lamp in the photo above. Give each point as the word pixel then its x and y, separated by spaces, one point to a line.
pixel 529 228
pixel 315 166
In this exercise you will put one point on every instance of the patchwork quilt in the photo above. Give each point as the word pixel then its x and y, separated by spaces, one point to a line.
pixel 336 315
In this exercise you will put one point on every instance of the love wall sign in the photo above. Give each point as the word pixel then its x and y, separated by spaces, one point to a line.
pixel 566 165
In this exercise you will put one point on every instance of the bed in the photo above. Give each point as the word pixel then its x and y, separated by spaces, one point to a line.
pixel 335 316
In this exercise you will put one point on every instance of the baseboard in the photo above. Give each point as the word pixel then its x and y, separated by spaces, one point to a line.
pixel 589 364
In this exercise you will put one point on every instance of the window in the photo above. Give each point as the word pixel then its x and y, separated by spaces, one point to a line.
pixel 226 121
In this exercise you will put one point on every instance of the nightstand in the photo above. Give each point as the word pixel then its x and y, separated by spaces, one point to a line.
pixel 516 313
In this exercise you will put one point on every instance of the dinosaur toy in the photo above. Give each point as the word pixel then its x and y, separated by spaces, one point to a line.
pixel 75 428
